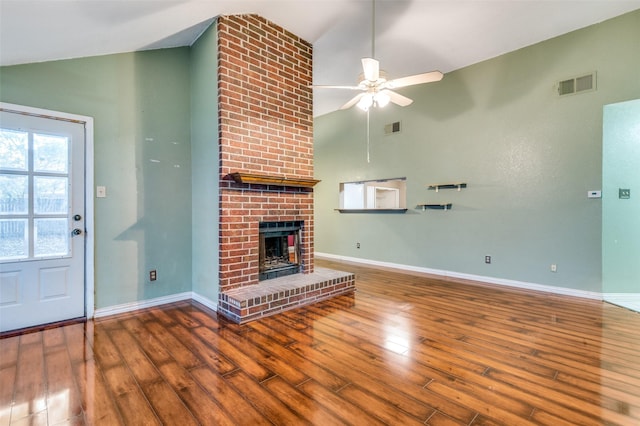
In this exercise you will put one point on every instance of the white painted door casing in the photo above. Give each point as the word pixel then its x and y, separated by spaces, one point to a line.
pixel 47 281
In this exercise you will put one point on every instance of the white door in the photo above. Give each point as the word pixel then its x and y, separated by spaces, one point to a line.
pixel 42 216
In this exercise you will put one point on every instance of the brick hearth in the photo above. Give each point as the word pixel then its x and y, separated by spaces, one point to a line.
pixel 265 125
pixel 276 295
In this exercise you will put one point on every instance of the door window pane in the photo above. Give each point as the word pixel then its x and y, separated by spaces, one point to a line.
pixel 51 237
pixel 14 194
pixel 13 149
pixel 50 153
pixel 14 239
pixel 50 194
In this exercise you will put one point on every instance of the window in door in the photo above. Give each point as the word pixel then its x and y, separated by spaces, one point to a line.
pixel 34 195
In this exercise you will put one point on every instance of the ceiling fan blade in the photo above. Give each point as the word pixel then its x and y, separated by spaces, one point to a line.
pixel 322 86
pixel 353 101
pixel 427 77
pixel 397 98
pixel 371 68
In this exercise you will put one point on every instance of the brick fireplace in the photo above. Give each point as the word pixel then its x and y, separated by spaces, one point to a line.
pixel 279 249
pixel 265 122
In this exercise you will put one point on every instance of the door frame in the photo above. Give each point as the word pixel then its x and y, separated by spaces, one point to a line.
pixel 89 267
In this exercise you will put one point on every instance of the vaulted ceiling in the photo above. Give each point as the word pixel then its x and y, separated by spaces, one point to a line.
pixel 411 36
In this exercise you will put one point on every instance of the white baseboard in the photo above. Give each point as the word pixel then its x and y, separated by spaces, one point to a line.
pixel 626 300
pixel 467 277
pixel 149 303
pixel 205 301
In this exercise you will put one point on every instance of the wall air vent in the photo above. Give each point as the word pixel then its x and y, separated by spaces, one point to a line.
pixel 583 83
pixel 392 128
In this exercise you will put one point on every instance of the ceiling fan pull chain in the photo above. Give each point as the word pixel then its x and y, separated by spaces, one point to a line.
pixel 368 127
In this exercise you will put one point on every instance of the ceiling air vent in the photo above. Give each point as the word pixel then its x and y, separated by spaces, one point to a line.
pixel 392 128
pixel 583 83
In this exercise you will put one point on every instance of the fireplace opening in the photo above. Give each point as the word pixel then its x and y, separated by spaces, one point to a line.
pixel 279 249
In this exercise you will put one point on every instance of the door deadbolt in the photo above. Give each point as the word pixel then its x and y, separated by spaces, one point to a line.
pixel 77 217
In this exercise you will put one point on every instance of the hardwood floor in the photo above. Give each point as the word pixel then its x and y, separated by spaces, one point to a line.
pixel 403 349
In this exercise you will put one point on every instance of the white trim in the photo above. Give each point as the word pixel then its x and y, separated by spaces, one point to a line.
pixel 141 304
pixel 150 303
pixel 89 270
pixel 626 300
pixel 89 220
pixel 466 277
pixel 205 301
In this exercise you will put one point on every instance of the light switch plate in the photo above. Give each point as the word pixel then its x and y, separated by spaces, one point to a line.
pixel 594 194
pixel 101 191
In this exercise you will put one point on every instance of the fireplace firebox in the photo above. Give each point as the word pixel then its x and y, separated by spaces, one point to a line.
pixel 279 249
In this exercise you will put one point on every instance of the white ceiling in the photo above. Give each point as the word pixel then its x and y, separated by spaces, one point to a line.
pixel 412 36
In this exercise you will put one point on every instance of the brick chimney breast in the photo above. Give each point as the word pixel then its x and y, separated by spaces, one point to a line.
pixel 265 118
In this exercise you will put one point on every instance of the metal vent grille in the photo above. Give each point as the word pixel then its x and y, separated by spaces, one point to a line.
pixel 566 87
pixel 583 83
pixel 392 128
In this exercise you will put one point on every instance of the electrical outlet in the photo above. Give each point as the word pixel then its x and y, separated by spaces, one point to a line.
pixel 357 245
pixel 153 275
pixel 487 259
pixel 554 267
pixel 624 194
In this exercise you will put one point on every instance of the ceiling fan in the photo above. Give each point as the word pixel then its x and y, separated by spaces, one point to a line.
pixel 376 90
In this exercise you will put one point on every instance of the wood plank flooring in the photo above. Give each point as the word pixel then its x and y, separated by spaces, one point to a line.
pixel 404 349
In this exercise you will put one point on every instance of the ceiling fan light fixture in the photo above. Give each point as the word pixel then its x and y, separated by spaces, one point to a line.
pixel 376 100
pixel 381 99
pixel 366 102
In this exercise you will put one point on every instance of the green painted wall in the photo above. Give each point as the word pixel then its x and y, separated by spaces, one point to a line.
pixel 528 156
pixel 140 103
pixel 621 217
pixel 204 154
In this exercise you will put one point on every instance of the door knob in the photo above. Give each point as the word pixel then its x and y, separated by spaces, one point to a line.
pixel 76 231
pixel 77 217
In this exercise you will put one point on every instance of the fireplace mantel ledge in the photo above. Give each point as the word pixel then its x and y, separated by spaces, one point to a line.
pixel 240 177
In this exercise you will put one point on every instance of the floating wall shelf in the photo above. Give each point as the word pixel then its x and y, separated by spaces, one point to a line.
pixel 435 206
pixel 372 210
pixel 438 187
pixel 273 180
